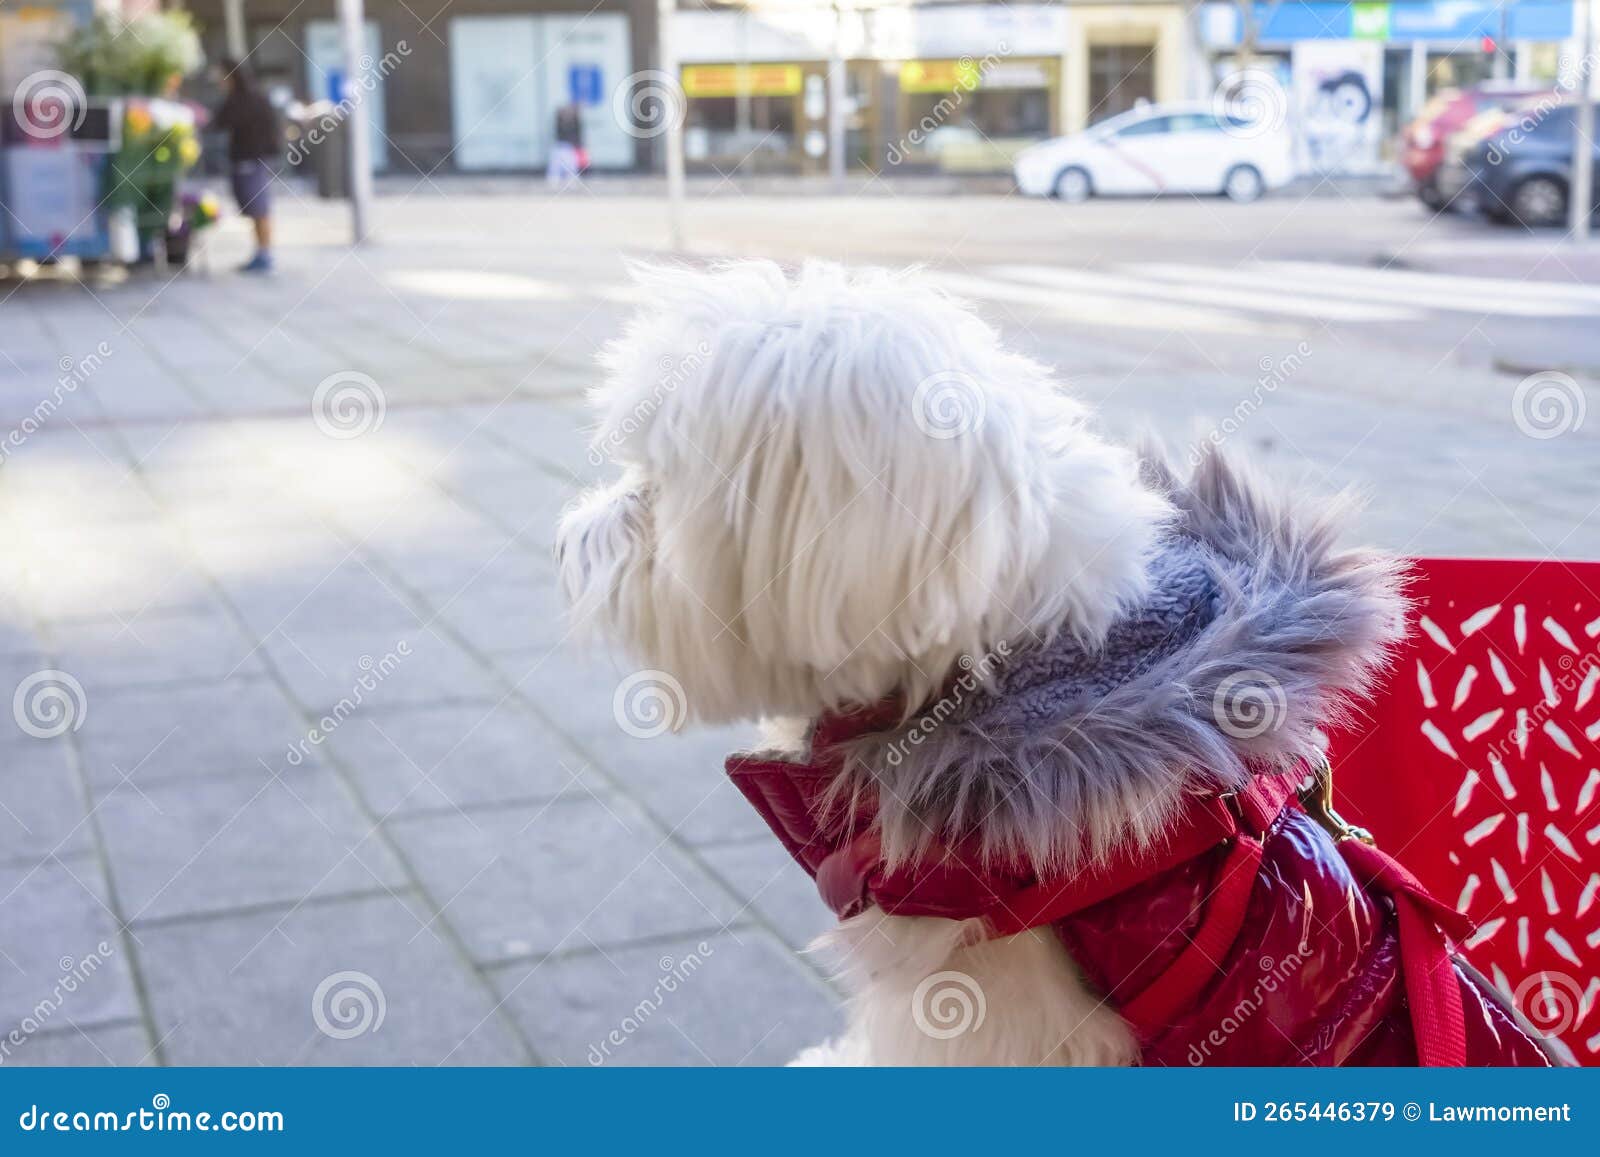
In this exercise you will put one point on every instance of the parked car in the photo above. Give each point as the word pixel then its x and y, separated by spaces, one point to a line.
pixel 1452 176
pixel 1422 143
pixel 1169 148
pixel 1523 172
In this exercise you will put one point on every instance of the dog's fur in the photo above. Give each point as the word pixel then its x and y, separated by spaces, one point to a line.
pixel 794 532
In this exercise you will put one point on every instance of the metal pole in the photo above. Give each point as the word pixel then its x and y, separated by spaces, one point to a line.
pixel 233 26
pixel 673 141
pixel 358 144
pixel 836 99
pixel 1581 201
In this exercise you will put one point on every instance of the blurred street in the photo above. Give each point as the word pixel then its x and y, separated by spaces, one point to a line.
pixel 264 506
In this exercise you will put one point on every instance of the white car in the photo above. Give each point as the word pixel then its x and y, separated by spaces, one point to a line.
pixel 1172 148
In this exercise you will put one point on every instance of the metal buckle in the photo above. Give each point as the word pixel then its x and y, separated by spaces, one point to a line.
pixel 1316 797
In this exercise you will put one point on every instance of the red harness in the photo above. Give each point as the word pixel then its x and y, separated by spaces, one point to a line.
pixel 844 856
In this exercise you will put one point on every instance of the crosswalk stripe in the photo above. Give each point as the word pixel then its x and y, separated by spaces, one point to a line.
pixel 1105 309
pixel 1260 277
pixel 1440 289
pixel 1261 301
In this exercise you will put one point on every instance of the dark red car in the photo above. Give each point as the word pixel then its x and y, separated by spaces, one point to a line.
pixel 1422 141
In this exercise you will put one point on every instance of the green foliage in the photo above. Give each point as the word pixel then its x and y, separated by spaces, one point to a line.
pixel 113 56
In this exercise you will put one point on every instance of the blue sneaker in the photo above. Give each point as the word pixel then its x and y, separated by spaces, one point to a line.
pixel 260 263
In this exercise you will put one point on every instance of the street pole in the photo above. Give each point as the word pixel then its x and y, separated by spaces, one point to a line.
pixel 676 112
pixel 358 145
pixel 1581 200
pixel 836 98
pixel 233 29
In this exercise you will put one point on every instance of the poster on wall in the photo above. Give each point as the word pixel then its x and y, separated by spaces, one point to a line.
pixel 326 80
pixel 1338 96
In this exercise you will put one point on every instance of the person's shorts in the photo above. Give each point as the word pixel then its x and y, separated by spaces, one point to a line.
pixel 252 187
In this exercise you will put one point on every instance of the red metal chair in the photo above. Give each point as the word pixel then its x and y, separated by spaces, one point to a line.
pixel 1479 769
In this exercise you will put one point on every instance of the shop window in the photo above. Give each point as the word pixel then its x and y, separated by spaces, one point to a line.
pixel 1120 76
pixel 1458 69
pixel 718 129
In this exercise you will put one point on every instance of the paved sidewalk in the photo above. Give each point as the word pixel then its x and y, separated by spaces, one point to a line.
pixel 305 769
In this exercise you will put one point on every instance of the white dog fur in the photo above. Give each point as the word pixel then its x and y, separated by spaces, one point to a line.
pixel 834 487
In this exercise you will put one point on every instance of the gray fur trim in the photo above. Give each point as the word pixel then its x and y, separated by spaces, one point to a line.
pixel 1304 624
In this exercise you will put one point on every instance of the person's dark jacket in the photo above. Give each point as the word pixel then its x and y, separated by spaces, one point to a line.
pixel 250 121
pixel 569 126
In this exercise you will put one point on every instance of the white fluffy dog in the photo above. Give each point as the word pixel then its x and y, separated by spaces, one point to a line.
pixel 833 489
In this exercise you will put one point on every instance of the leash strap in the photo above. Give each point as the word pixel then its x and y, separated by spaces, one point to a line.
pixel 1201 959
pixel 1433 991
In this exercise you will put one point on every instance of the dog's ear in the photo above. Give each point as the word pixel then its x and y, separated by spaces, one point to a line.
pixel 853 486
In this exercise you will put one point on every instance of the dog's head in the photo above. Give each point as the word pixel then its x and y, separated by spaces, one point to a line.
pixel 833 488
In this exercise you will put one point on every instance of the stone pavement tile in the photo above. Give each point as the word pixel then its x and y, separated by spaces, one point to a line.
pixel 555 433
pixel 53 921
pixel 204 646
pixel 17 634
pixel 533 879
pixel 394 669
pixel 249 989
pixel 455 756
pixel 678 776
pixel 729 999
pixel 447 565
pixel 41 807
pixel 184 847
pixel 251 557
pixel 102 1046
pixel 513 617
pixel 531 512
pixel 764 875
pixel 352 598
pixel 242 726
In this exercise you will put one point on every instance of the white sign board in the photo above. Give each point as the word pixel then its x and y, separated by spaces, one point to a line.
pixel 1338 104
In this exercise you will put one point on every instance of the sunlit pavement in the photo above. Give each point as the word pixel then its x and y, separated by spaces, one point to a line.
pixel 305 768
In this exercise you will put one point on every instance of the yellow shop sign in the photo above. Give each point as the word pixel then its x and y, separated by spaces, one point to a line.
pixel 940 75
pixel 742 79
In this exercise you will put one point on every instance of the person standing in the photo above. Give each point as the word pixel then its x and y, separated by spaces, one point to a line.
pixel 566 155
pixel 255 141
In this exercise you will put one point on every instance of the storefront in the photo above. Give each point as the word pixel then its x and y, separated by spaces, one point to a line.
pixel 947 88
pixel 471 85
pixel 1356 73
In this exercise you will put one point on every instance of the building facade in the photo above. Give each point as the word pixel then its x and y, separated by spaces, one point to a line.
pixel 927 85
pixel 455 85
